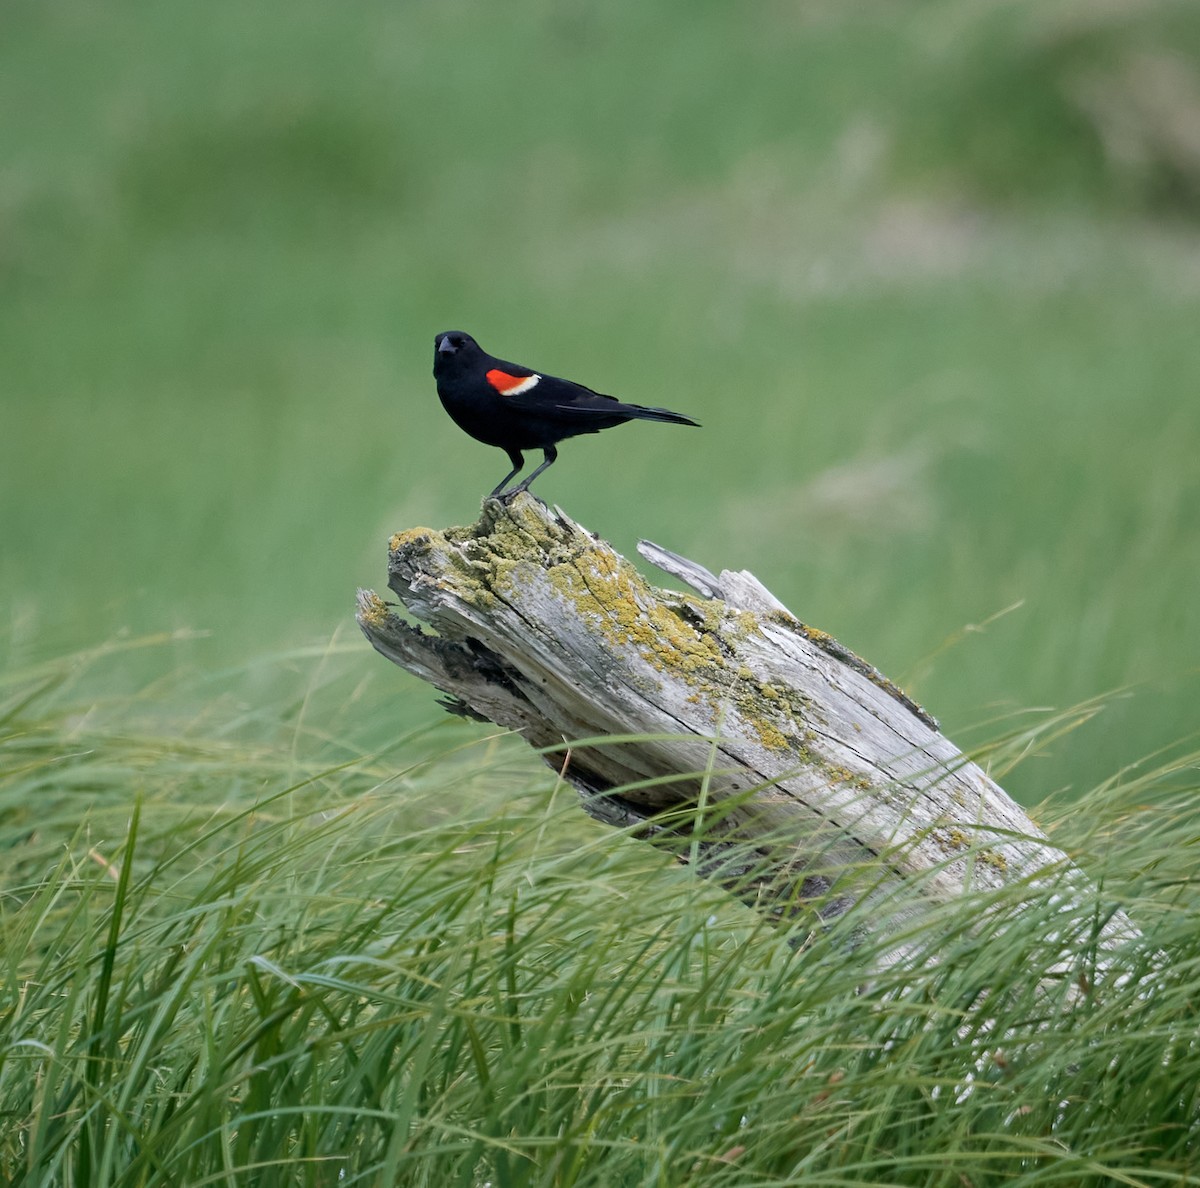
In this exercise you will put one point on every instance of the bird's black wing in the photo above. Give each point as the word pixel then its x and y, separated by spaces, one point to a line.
pixel 553 392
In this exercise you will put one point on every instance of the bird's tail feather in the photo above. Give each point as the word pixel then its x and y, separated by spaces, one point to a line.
pixel 660 414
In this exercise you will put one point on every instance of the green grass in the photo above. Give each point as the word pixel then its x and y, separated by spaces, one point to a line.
pixel 290 962
pixel 928 274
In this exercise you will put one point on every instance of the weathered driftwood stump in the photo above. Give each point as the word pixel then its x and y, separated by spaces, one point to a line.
pixel 716 724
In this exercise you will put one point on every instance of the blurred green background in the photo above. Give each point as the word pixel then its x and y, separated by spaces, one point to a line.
pixel 928 272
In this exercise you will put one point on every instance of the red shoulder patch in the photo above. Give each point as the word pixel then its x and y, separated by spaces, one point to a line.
pixel 511 385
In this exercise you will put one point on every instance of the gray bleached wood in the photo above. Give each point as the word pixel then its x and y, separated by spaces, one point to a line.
pixel 818 783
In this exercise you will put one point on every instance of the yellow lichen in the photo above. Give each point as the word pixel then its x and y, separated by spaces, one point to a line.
pixel 519 543
pixel 747 621
pixel 411 537
pixel 615 597
pixel 769 735
pixel 996 861
pixel 373 611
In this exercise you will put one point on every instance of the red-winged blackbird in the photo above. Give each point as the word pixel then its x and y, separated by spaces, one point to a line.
pixel 506 405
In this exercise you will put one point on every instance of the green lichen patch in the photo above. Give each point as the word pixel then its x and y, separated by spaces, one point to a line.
pixel 428 554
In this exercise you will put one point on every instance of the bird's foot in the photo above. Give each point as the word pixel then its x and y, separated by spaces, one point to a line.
pixel 504 498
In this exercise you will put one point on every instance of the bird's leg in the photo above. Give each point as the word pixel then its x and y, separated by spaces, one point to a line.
pixel 551 455
pixel 518 461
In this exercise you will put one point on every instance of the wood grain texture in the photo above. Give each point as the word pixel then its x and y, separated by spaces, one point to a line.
pixel 814 780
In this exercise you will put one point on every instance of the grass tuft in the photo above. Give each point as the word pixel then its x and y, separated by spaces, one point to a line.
pixel 227 964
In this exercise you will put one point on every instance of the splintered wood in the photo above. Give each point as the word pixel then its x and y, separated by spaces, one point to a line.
pixel 718 725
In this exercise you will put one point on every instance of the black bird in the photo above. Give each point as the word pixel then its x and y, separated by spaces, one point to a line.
pixel 506 405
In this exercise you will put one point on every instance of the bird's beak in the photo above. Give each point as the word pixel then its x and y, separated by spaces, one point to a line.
pixel 445 346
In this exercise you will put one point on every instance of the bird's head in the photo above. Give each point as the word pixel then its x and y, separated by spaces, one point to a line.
pixel 452 349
